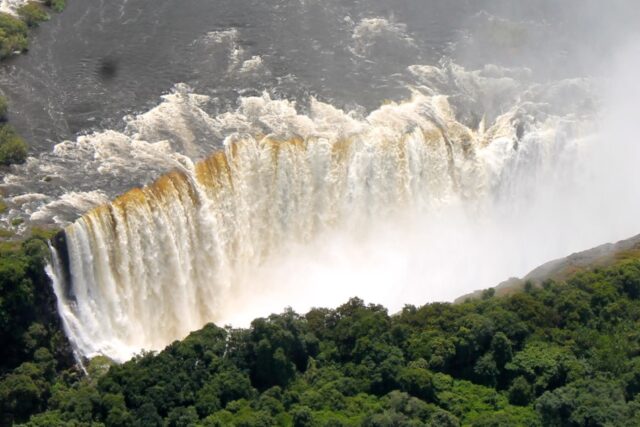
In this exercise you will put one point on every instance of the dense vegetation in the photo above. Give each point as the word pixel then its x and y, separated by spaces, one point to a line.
pixel 56 5
pixel 33 346
pixel 13 149
pixel 28 315
pixel 35 12
pixel 13 35
pixel 562 354
pixel 32 13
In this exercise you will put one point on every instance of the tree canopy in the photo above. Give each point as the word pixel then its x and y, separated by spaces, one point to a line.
pixel 560 354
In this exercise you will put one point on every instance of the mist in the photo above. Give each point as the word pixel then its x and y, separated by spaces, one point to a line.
pixel 590 195
pixel 449 166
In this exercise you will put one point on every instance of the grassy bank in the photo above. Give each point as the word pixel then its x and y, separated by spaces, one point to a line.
pixel 14 30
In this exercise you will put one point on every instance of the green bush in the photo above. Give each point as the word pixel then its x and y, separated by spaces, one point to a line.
pixel 4 109
pixel 13 149
pixel 56 5
pixel 33 14
pixel 13 35
pixel 520 392
pixel 14 31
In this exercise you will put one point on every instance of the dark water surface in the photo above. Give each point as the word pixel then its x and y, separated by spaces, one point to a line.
pixel 101 60
pixel 94 70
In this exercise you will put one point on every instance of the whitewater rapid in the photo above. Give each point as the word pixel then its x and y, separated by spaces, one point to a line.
pixel 159 261
pixel 11 6
pixel 479 175
pixel 325 206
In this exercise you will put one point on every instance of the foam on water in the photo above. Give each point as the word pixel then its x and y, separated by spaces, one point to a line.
pixel 11 6
pixel 480 175
pixel 416 201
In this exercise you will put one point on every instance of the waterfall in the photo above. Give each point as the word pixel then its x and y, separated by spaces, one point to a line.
pixel 163 260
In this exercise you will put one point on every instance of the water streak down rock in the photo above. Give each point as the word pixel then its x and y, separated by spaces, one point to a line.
pixel 160 261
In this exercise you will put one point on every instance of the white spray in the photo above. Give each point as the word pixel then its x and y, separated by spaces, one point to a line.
pixel 407 205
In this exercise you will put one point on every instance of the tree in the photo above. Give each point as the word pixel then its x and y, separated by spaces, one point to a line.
pixel 443 419
pixel 501 349
pixel 147 416
pixel 486 370
pixel 589 402
pixel 182 417
pixel 520 392
pixel 546 365
pixel 302 416
pixel 417 381
pixel 20 396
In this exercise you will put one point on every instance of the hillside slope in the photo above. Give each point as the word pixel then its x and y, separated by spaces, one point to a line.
pixel 562 268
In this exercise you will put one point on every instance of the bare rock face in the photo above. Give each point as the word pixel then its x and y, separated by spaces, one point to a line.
pixel 560 269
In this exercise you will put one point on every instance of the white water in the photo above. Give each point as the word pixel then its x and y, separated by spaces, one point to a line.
pixel 11 6
pixel 406 205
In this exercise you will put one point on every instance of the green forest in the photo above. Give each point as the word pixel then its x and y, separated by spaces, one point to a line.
pixel 561 353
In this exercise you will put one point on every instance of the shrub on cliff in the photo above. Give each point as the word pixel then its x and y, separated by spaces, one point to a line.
pixel 13 149
pixel 13 35
pixel 4 109
pixel 56 5
pixel 33 14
